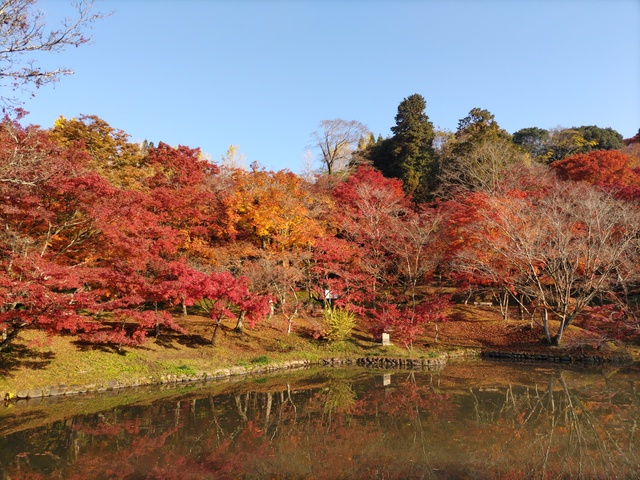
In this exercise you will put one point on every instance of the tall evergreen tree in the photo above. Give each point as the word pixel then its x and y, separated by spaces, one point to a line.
pixel 409 154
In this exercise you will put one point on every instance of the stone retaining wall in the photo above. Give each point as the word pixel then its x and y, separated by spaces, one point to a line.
pixel 111 385
pixel 617 359
pixel 369 362
pixel 168 379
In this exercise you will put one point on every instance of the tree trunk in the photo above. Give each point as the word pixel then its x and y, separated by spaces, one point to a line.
pixel 267 413
pixel 242 409
pixel 8 338
pixel 521 310
pixel 564 323
pixel 505 299
pixel 466 300
pixel 155 304
pixel 290 320
pixel 545 325
pixel 240 325
pixel 215 331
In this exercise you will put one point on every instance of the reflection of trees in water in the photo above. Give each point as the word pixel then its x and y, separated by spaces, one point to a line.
pixel 405 426
pixel 339 398
pixel 406 413
pixel 556 431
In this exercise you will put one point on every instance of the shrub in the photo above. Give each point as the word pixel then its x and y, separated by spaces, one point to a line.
pixel 338 323
pixel 261 360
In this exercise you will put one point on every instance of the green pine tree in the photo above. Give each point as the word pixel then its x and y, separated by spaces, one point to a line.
pixel 408 154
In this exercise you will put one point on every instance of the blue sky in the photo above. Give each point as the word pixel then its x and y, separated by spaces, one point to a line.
pixel 263 74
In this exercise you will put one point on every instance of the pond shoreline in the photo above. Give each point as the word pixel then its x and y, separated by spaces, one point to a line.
pixel 557 357
pixel 239 370
pixel 441 359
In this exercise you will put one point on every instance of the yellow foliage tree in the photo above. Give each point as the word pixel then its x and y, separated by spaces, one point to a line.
pixel 277 210
pixel 112 155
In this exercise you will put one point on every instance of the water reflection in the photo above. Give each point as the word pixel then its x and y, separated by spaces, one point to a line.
pixel 466 421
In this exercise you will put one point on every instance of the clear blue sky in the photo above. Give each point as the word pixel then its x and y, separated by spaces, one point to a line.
pixel 263 74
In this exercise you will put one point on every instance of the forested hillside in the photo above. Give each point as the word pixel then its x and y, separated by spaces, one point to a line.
pixel 112 240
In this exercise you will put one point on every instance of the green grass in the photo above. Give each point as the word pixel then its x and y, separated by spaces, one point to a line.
pixel 311 356
pixel 343 347
pixel 387 351
pixel 180 369
pixel 260 360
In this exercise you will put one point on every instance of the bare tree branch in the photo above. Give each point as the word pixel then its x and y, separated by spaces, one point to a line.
pixel 335 139
pixel 24 31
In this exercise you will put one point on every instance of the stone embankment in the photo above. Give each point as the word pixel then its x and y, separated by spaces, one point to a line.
pixel 580 358
pixel 110 385
pixel 165 379
pixel 436 361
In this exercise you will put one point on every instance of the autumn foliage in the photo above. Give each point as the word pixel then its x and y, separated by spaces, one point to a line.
pixel 113 240
pixel 602 167
pixel 609 169
pixel 83 255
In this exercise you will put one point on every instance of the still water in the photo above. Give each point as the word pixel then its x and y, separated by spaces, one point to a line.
pixel 479 420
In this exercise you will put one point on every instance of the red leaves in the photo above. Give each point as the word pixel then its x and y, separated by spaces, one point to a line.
pixel 404 324
pixel 368 189
pixel 180 166
pixel 37 294
pixel 84 256
pixel 557 249
pixel 602 167
pixel 219 293
pixel 384 248
pixel 369 207
pixel 104 237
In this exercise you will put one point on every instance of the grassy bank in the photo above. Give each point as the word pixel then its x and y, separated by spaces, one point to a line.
pixel 35 361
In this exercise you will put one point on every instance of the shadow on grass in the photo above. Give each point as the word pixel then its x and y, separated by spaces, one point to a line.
pixel 165 340
pixel 21 356
pixel 309 333
pixel 367 339
pixel 85 346
pixel 188 340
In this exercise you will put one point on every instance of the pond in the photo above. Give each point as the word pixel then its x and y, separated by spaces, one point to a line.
pixel 469 420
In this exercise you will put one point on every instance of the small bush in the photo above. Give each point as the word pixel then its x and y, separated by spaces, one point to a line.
pixel 338 324
pixel 261 360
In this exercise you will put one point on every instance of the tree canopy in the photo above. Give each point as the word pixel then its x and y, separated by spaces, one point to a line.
pixel 408 155
pixel 113 240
